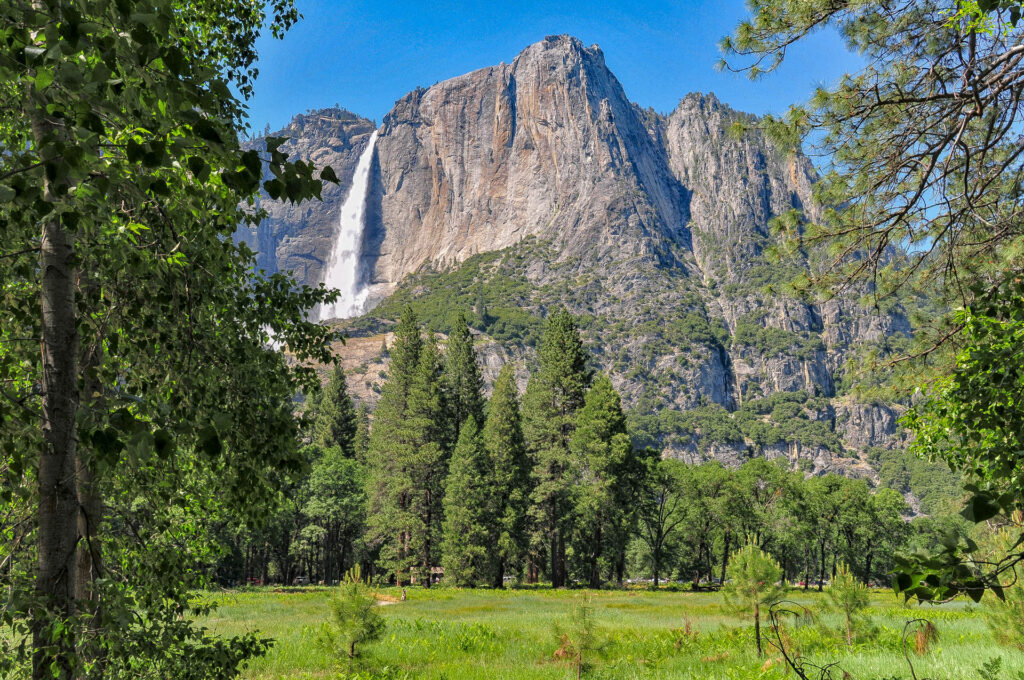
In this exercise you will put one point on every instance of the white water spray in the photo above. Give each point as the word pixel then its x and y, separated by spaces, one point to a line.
pixel 343 268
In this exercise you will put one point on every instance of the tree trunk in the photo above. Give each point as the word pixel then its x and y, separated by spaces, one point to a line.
pixel 757 627
pixel 498 582
pixel 656 564
pixel 562 570
pixel 426 545
pixel 725 557
pixel 821 573
pixel 595 560
pixel 57 516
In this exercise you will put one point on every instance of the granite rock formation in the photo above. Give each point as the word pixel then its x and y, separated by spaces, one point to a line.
pixel 525 185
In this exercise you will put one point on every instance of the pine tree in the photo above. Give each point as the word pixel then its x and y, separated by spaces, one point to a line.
pixel 389 457
pixel 848 596
pixel 608 476
pixel 467 533
pixel 553 396
pixel 428 464
pixel 510 479
pixel 753 583
pixel 334 419
pixel 405 351
pixel 361 440
pixel 462 382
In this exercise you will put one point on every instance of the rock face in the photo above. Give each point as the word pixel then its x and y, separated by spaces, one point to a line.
pixel 298 238
pixel 537 183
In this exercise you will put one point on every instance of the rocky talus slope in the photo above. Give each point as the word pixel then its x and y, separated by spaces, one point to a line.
pixel 537 183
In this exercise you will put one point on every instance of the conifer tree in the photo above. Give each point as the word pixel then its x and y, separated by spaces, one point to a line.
pixel 390 454
pixel 510 479
pixel 405 351
pixel 467 527
pixel 753 577
pixel 553 396
pixel 361 439
pixel 334 418
pixel 608 475
pixel 462 382
pixel 428 463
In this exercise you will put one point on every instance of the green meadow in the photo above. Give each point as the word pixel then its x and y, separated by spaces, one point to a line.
pixel 493 635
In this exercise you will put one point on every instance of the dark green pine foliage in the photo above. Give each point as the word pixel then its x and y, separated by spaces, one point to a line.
pixel 608 479
pixel 428 465
pixel 334 418
pixel 389 456
pixel 553 396
pixel 510 480
pixel 361 440
pixel 462 382
pixel 467 524
pixel 405 351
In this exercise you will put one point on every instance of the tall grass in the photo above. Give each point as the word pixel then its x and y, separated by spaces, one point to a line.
pixel 493 635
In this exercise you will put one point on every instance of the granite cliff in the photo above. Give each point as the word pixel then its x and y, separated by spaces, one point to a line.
pixel 537 183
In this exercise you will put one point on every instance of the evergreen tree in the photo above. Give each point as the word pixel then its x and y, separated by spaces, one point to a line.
pixel 467 527
pixel 847 596
pixel 361 440
pixel 334 418
pixel 428 465
pixel 510 475
pixel 390 454
pixel 405 351
pixel 607 474
pixel 553 396
pixel 753 577
pixel 462 382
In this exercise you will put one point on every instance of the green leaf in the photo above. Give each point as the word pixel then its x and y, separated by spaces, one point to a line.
pixel 981 507
pixel 209 442
pixel 43 79
pixel 327 174
pixel 164 443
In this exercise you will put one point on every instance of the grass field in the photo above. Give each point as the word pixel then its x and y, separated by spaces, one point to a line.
pixel 493 635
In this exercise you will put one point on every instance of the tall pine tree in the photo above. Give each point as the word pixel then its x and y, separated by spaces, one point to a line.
pixel 334 417
pixel 361 440
pixel 467 524
pixel 390 454
pixel 510 481
pixel 553 396
pixel 607 477
pixel 462 382
pixel 425 431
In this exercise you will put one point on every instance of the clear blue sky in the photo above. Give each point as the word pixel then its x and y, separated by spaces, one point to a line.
pixel 365 55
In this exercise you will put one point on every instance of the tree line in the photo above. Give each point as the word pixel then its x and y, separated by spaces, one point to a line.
pixel 543 486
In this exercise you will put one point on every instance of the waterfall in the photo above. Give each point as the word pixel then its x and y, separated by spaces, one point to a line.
pixel 343 267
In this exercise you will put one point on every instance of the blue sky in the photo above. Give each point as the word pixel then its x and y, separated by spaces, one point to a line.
pixel 365 55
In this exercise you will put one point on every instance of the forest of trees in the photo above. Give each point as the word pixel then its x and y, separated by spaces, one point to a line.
pixel 547 487
pixel 149 436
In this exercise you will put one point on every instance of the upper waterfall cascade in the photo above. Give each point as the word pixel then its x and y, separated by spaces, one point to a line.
pixel 343 270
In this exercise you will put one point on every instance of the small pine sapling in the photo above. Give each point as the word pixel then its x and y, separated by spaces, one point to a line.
pixel 848 596
pixel 577 637
pixel 355 619
pixel 753 583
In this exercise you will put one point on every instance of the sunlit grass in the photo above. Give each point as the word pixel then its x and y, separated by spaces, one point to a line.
pixel 492 635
